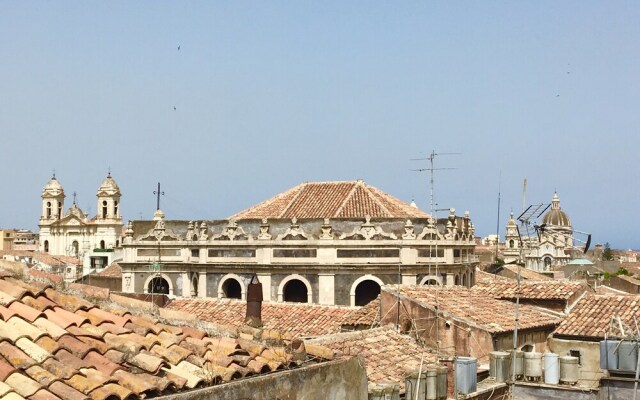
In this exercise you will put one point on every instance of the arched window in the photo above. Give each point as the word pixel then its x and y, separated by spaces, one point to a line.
pixel 547 261
pixel 104 209
pixel 102 244
pixel 456 280
pixel 511 243
pixel 46 246
pixel 59 210
pixel 231 289
pixel 158 285
pixel 431 282
pixel 117 243
pixel 48 209
pixel 366 291
pixel 295 291
pixel 75 248
pixel 115 208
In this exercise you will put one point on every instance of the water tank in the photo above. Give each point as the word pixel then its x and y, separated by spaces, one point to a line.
pixel 609 354
pixel 415 385
pixel 519 360
pixel 432 382
pixel 441 382
pixel 532 365
pixel 384 391
pixel 551 369
pixel 466 375
pixel 499 365
pixel 628 356
pixel 569 370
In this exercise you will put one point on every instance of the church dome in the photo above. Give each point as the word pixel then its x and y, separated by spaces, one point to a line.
pixel 109 185
pixel 53 187
pixel 556 216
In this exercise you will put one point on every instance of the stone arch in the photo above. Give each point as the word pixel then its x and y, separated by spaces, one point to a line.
pixel 227 280
pixel 294 277
pixel 431 279
pixel 158 275
pixel 357 282
pixel 456 279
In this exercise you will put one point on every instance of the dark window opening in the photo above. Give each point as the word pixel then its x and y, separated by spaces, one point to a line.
pixel 99 262
pixel 232 252
pixel 295 253
pixel 59 210
pixel 368 253
pixel 511 243
pixel 231 289
pixel 104 209
pixel 76 247
pixel 117 243
pixel 46 246
pixel 158 286
pixel 48 209
pixel 366 291
pixel 195 253
pixel 577 354
pixel 431 253
pixel 431 282
pixel 115 209
pixel 295 291
pixel 102 244
pixel 456 252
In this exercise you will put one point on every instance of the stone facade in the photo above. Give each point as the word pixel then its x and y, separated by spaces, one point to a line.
pixel 335 260
pixel 73 233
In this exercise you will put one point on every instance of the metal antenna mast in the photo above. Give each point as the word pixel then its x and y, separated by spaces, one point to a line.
pixel 158 193
pixel 432 208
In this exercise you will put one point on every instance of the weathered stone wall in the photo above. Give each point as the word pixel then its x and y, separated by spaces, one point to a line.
pixel 590 372
pixel 344 379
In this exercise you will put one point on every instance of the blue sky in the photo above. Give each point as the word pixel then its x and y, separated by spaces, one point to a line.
pixel 271 94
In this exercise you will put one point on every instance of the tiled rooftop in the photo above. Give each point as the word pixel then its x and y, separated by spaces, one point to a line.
pixel 366 316
pixel 476 307
pixel 296 319
pixel 527 274
pixel 353 199
pixel 592 315
pixel 543 290
pixel 37 256
pixel 387 354
pixel 113 271
pixel 55 345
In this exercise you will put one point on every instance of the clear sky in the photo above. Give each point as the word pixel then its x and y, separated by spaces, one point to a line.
pixel 271 94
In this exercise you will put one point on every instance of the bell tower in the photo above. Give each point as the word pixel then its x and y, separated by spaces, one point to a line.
pixel 108 207
pixel 52 201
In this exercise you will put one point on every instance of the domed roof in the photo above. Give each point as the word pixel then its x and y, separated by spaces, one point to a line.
pixel 53 187
pixel 556 216
pixel 109 185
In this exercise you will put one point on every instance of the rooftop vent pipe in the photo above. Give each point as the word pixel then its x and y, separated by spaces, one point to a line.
pixel 254 303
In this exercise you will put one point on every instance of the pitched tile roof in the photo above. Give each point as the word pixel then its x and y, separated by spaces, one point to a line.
pixel 495 316
pixel 527 274
pixel 54 345
pixel 368 315
pixel 387 354
pixel 297 319
pixel 591 316
pixel 353 199
pixel 543 290
pixel 113 271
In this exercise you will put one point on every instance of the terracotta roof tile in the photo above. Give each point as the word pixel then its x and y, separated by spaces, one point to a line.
pixel 114 271
pixel 543 290
pixel 290 318
pixel 54 345
pixel 477 308
pixel 592 316
pixel 354 199
pixel 387 354
pixel 368 315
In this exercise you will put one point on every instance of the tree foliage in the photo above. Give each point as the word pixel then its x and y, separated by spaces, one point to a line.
pixel 607 253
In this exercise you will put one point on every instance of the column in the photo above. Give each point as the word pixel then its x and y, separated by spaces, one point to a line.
pixel 265 279
pixel 326 289
pixel 202 284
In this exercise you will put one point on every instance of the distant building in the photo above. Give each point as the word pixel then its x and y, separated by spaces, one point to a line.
pixel 319 242
pixel 552 246
pixel 73 233
pixel 7 237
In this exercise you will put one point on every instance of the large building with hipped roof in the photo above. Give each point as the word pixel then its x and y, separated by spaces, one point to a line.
pixel 333 243
pixel 74 233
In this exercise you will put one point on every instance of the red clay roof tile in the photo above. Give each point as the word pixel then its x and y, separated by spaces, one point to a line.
pixel 66 392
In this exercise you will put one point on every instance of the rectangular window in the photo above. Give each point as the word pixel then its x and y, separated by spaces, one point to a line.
pixel 295 253
pixel 232 253
pixel 576 353
pixel 430 253
pixel 368 253
pixel 456 252
pixel 195 252
pixel 154 252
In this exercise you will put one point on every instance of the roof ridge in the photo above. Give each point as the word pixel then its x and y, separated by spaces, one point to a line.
pixel 376 199
pixel 346 199
pixel 293 200
pixel 265 203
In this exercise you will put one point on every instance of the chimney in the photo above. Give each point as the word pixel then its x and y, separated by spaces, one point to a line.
pixel 254 303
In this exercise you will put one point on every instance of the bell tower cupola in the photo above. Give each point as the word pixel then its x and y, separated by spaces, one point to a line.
pixel 108 201
pixel 52 201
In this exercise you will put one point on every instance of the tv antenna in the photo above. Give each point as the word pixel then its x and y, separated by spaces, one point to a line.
pixel 432 209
